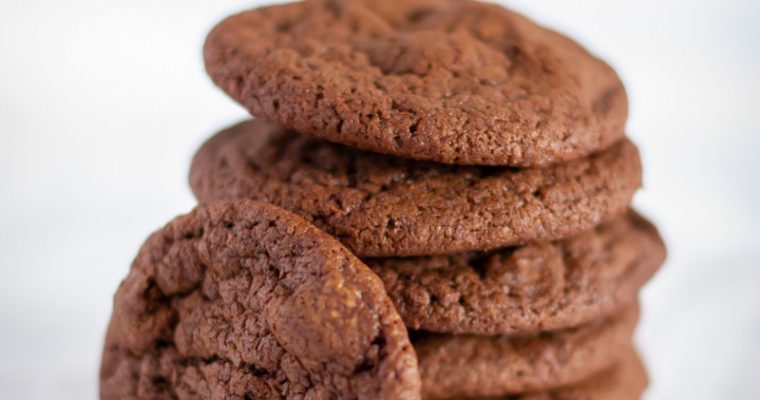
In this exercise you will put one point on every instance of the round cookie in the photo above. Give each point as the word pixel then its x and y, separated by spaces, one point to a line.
pixel 244 300
pixel 476 365
pixel 537 287
pixel 457 82
pixel 387 206
pixel 625 381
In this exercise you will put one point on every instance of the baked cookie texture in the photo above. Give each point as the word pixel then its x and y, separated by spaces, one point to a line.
pixel 432 202
pixel 481 366
pixel 243 300
pixel 387 206
pixel 538 287
pixel 456 82
pixel 625 381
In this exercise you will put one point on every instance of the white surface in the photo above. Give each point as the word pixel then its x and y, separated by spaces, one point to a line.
pixel 102 105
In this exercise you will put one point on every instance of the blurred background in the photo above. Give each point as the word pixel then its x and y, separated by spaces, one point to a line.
pixel 102 105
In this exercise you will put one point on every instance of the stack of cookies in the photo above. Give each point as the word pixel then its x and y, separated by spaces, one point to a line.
pixel 432 203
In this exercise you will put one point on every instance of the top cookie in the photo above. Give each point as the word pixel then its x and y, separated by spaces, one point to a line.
pixel 244 300
pixel 456 82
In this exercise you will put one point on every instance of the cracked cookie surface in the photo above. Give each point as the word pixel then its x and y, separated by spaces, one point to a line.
pixel 482 366
pixel 244 300
pixel 536 287
pixel 380 205
pixel 456 82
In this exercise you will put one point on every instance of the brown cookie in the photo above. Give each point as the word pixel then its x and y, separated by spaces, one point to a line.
pixel 473 366
pixel 457 82
pixel 247 301
pixel 537 287
pixel 627 380
pixel 386 206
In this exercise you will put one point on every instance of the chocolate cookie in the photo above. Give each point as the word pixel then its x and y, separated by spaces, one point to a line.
pixel 386 206
pixel 472 366
pixel 537 287
pixel 247 301
pixel 626 381
pixel 457 82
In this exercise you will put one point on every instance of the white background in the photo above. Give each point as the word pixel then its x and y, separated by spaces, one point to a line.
pixel 102 104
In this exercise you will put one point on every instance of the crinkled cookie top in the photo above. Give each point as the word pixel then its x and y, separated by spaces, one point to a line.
pixel 243 300
pixel 457 82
